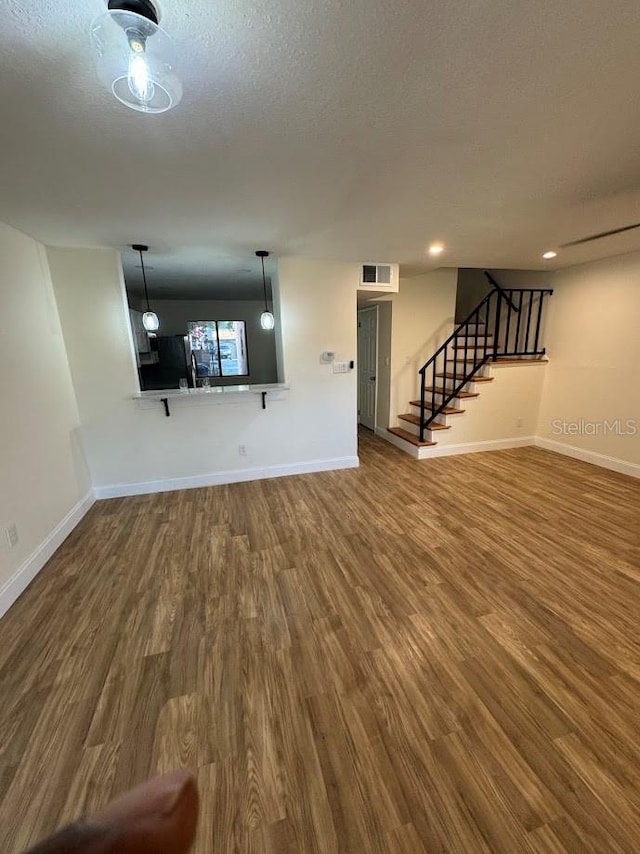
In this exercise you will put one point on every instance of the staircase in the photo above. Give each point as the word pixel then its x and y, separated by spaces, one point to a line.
pixel 504 328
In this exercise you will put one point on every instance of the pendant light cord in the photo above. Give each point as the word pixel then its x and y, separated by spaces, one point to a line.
pixel 144 279
pixel 264 285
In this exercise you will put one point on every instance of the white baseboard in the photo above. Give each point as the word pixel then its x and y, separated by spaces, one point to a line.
pixel 13 587
pixel 120 490
pixel 611 463
pixel 407 447
pixel 451 450
pixel 475 447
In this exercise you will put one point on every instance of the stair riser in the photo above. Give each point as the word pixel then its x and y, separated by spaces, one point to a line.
pixel 447 420
pixel 457 402
pixel 461 369
pixel 469 364
pixel 472 338
pixel 459 372
pixel 472 351
pixel 464 367
pixel 429 435
pixel 451 384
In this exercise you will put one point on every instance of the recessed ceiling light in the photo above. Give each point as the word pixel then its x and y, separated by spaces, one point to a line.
pixel 549 255
pixel 436 249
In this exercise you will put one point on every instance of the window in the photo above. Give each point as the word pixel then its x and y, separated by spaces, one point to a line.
pixel 218 348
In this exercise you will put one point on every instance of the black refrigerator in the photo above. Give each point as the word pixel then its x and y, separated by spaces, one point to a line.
pixel 173 364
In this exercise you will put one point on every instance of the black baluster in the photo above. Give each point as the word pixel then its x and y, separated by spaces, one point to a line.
pixel 526 337
pixel 455 363
pixel 537 338
pixel 444 372
pixel 509 313
pixel 433 390
pixel 487 327
pixel 497 332
pixel 475 349
pixel 422 385
pixel 466 343
pixel 517 347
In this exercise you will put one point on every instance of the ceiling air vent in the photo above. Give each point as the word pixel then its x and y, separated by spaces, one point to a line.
pixel 379 277
pixel 599 236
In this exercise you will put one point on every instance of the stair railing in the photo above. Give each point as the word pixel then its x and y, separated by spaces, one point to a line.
pixel 498 287
pixel 511 320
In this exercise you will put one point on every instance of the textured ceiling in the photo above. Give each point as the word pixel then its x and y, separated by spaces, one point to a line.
pixel 358 130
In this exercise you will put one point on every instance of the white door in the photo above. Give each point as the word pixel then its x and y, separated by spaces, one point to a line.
pixel 367 366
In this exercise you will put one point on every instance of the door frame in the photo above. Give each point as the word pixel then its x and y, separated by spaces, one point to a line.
pixel 360 311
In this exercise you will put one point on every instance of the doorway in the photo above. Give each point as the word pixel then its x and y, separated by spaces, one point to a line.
pixel 367 366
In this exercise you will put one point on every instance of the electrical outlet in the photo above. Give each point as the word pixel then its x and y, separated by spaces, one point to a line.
pixel 242 450
pixel 519 422
pixel 11 534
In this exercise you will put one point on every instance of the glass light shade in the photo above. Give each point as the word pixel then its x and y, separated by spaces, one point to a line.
pixel 150 321
pixel 135 60
pixel 267 320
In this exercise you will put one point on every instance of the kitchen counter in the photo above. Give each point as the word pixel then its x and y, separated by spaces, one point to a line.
pixel 220 394
pixel 159 394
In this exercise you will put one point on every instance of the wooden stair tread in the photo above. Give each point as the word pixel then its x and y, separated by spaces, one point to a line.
pixel 525 361
pixel 459 394
pixel 409 437
pixel 415 419
pixel 473 380
pixel 448 410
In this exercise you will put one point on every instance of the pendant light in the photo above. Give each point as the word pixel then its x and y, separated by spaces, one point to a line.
pixel 135 57
pixel 267 320
pixel 149 318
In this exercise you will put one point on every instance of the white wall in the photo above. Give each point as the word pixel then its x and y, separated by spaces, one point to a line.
pixel 384 364
pixel 593 339
pixel 128 442
pixel 43 474
pixel 507 407
pixel 421 320
pixel 174 316
pixel 88 286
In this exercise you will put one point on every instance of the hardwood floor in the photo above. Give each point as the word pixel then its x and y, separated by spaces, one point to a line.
pixel 414 656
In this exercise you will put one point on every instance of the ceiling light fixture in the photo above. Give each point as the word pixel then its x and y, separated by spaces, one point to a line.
pixel 436 249
pixel 549 255
pixel 135 57
pixel 149 318
pixel 267 320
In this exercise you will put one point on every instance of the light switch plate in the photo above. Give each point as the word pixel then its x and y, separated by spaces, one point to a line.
pixel 340 367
